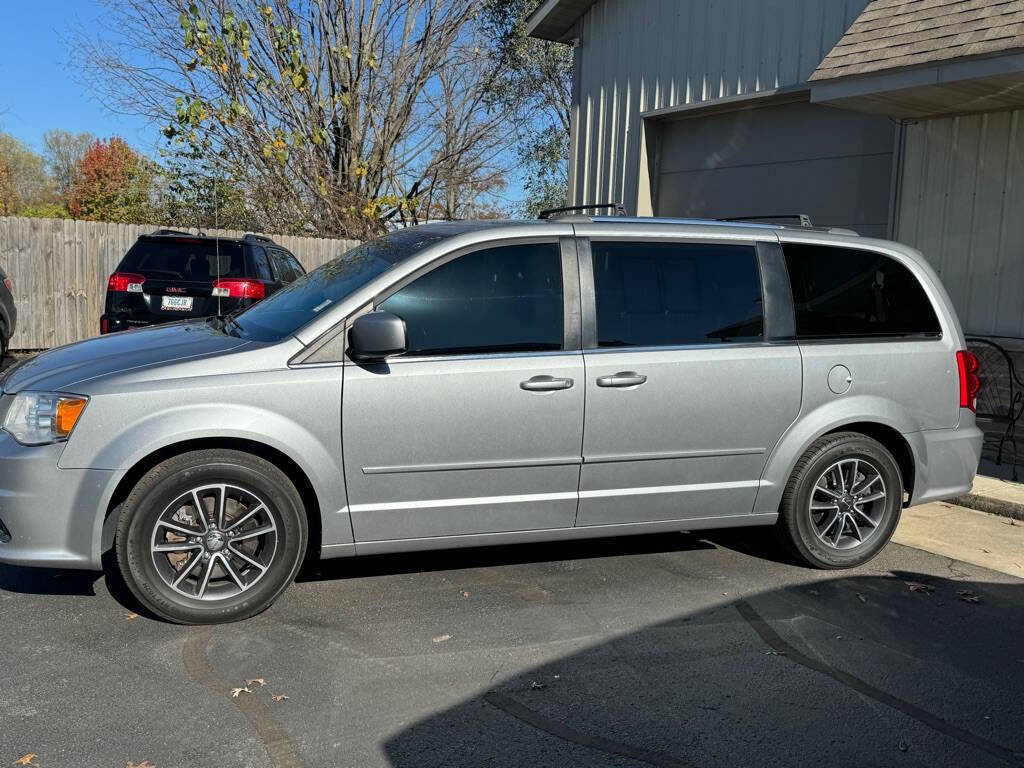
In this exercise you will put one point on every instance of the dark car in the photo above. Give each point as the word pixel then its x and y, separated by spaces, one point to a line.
pixel 8 314
pixel 168 276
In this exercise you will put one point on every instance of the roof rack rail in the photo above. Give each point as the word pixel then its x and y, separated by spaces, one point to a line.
pixel 803 219
pixel 164 232
pixel 548 213
pixel 257 238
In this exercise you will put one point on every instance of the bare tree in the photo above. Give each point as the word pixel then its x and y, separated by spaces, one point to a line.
pixel 323 108
pixel 468 164
pixel 535 82
pixel 62 150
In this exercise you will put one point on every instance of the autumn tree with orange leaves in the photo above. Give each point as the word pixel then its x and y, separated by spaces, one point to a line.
pixel 112 182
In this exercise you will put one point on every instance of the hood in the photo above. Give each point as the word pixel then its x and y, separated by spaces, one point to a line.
pixel 65 368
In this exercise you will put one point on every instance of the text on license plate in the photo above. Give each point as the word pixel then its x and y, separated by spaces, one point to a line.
pixel 178 303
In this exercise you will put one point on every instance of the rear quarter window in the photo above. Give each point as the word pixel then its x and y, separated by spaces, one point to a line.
pixel 851 293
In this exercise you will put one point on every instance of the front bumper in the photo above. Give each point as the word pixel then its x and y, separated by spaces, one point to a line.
pixel 947 461
pixel 53 517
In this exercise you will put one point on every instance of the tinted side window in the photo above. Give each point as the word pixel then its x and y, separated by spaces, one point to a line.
pixel 284 269
pixel 506 299
pixel 297 269
pixel 262 264
pixel 845 292
pixel 662 294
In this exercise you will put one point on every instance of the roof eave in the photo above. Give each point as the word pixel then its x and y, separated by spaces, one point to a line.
pixel 951 86
pixel 554 19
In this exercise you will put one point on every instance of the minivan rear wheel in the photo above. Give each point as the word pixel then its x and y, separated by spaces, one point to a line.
pixel 211 536
pixel 842 502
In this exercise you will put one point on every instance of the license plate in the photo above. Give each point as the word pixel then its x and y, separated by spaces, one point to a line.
pixel 176 303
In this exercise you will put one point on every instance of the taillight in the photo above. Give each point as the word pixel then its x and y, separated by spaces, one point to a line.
pixel 125 282
pixel 239 288
pixel 9 284
pixel 967 365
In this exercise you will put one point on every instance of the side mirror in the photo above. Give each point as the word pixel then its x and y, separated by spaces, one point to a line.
pixel 376 336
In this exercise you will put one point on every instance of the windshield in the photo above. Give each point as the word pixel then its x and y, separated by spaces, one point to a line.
pixel 289 309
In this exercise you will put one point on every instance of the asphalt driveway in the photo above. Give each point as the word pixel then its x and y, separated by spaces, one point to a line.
pixel 663 650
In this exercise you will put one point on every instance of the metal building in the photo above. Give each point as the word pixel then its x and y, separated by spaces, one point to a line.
pixel 894 117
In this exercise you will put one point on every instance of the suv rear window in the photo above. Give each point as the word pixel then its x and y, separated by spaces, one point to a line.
pixel 191 259
pixel 850 293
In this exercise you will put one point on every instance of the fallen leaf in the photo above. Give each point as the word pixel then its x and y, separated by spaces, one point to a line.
pixel 143 764
pixel 441 638
pixel 279 697
pixel 813 592
pixel 465 594
pixel 903 746
pixel 256 681
pixel 861 597
pixel 28 759
pixel 236 691
pixel 968 597
pixel 774 653
pixel 131 616
pixel 916 586
pixel 535 686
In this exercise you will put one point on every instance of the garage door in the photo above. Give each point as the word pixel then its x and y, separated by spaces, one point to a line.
pixel 785 158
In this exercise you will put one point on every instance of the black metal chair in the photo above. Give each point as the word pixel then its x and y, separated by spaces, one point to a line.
pixel 1000 399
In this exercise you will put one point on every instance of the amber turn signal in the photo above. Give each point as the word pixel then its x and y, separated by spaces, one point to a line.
pixel 68 411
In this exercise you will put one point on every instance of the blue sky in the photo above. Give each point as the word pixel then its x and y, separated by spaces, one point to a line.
pixel 39 90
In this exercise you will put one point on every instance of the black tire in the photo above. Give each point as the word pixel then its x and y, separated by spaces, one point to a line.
pixel 5 342
pixel 151 499
pixel 796 526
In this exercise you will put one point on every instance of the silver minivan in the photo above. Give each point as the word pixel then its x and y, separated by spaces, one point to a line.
pixel 470 383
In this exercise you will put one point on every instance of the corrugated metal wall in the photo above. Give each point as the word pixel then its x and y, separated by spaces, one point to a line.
pixel 961 202
pixel 641 55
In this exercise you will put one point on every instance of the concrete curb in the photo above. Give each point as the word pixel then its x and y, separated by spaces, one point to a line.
pixel 990 504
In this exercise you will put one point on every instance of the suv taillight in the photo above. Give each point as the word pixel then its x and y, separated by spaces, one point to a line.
pixel 239 288
pixel 9 284
pixel 967 365
pixel 125 282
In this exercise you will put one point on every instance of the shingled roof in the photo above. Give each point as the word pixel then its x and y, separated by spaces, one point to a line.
pixel 892 34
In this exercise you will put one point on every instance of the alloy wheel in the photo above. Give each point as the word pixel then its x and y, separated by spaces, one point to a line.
pixel 848 503
pixel 214 542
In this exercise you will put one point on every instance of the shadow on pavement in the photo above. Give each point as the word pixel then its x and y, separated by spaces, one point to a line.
pixel 477 557
pixel 47 581
pixel 903 669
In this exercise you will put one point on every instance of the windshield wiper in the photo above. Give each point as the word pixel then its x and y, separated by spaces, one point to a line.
pixel 231 326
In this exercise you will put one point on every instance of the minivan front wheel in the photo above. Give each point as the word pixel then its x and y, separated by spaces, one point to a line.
pixel 211 536
pixel 842 502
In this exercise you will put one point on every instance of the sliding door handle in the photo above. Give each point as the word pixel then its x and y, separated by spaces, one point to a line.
pixel 545 384
pixel 622 379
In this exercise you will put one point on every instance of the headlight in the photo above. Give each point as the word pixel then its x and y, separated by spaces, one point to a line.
pixel 39 418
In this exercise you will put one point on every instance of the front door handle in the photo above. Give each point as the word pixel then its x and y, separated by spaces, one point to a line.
pixel 622 379
pixel 545 384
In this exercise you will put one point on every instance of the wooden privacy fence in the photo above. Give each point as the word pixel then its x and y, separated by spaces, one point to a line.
pixel 60 267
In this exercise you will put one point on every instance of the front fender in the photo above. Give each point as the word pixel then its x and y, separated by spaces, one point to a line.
pixel 808 427
pixel 120 430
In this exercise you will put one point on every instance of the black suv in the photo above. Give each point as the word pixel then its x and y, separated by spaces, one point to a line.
pixel 170 275
pixel 8 314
